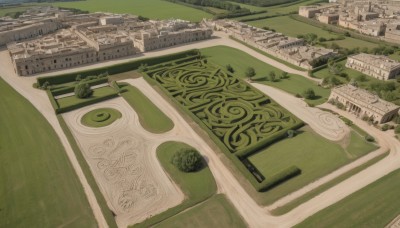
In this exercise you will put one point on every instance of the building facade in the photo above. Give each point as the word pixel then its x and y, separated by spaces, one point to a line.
pixel 380 67
pixel 362 103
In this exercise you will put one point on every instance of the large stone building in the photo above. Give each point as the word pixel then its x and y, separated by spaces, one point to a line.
pixel 378 18
pixel 362 103
pixel 87 38
pixel 290 49
pixel 377 66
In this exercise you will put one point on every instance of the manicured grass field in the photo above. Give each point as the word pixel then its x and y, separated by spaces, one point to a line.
pixel 150 117
pixel 73 100
pixel 350 43
pixel 154 9
pixel 38 185
pixel 222 55
pixel 100 117
pixel 197 186
pixel 290 27
pixel 215 212
pixel 313 154
pixel 373 206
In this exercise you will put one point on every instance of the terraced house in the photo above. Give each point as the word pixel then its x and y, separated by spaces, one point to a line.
pixel 362 103
pixel 377 66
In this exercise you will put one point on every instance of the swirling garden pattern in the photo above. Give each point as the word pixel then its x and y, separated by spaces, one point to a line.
pixel 238 115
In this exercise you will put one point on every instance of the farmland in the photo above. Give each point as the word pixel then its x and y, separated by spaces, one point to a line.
pixel 39 187
pixel 145 8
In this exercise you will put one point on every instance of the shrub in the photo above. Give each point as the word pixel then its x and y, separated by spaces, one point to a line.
pixel 83 90
pixel 365 117
pixel 309 94
pixel 369 138
pixel 385 127
pixel 284 75
pixel 250 72
pixel 291 133
pixel 230 69
pixel 45 85
pixel 272 76
pixel 340 105
pixel 298 95
pixel 187 160
pixel 397 129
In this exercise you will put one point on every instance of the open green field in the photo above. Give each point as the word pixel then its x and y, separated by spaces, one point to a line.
pixel 38 185
pixel 373 206
pixel 154 9
pixel 313 154
pixel 7 10
pixel 295 84
pixel 97 93
pixel 197 186
pixel 100 117
pixel 215 212
pixel 150 117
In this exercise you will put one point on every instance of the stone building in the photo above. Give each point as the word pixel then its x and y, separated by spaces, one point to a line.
pixel 362 103
pixel 380 67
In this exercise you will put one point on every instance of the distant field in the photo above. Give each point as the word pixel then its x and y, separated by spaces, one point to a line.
pixel 155 9
pixel 313 154
pixel 222 55
pixel 373 206
pixel 215 212
pixel 38 185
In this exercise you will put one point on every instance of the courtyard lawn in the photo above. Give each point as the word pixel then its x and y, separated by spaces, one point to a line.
pixel 38 185
pixel 150 117
pixel 313 154
pixel 290 27
pixel 197 186
pixel 222 56
pixel 215 212
pixel 97 93
pixel 154 9
pixel 350 43
pixel 373 206
pixel 100 117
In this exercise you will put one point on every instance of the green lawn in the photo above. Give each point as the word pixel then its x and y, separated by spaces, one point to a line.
pixel 215 212
pixel 395 56
pixel 222 55
pixel 38 185
pixel 350 43
pixel 154 9
pixel 100 117
pixel 197 186
pixel 373 206
pixel 6 10
pixel 313 154
pixel 290 27
pixel 150 117
pixel 97 93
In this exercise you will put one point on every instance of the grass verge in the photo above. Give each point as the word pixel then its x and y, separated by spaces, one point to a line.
pixel 150 116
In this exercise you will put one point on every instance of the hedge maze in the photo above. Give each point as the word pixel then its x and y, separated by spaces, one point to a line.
pixel 238 118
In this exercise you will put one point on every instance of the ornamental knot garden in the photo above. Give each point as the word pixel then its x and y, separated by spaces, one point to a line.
pixel 239 117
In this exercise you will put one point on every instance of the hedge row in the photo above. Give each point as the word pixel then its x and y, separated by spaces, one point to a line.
pixel 86 103
pixel 71 88
pixel 263 17
pixel 238 14
pixel 279 178
pixel 338 29
pixel 115 69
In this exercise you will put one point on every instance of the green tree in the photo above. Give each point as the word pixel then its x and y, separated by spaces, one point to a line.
pixel 187 160
pixel 229 68
pixel 272 76
pixel 250 72
pixel 83 90
pixel 309 94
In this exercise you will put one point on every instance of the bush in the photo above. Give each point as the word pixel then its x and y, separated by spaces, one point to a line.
pixel 250 72
pixel 397 129
pixel 230 69
pixel 187 160
pixel 291 133
pixel 369 138
pixel 385 127
pixel 309 94
pixel 83 90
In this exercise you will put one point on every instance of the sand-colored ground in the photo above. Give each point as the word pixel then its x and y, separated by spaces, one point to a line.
pixel 122 157
pixel 252 213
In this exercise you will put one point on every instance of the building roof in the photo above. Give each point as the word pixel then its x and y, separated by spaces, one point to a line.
pixel 379 61
pixel 365 98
